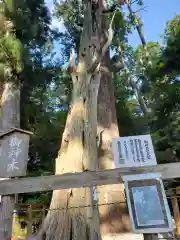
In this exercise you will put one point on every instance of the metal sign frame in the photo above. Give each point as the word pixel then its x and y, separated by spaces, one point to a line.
pixel 147 180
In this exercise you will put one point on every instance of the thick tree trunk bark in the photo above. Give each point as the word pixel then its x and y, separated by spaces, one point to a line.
pixel 10 117
pixel 72 214
pixel 114 218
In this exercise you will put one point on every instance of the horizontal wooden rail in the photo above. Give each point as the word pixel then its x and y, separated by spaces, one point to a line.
pixel 34 206
pixel 84 179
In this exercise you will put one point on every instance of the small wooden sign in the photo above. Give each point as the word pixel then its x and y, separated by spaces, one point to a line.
pixel 134 151
pixel 147 203
pixel 14 146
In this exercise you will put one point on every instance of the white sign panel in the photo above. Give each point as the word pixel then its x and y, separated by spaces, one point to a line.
pixel 147 203
pixel 134 151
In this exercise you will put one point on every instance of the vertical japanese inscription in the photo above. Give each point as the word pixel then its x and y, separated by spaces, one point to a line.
pixel 126 150
pixel 132 149
pixel 137 150
pixel 121 159
pixel 15 150
pixel 148 155
pixel 141 150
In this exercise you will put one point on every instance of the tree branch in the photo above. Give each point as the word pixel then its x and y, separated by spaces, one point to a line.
pixel 132 2
pixel 72 65
pixel 134 87
pixel 138 27
pixel 103 50
pixel 116 62
pixel 111 9
pixel 140 9
pixel 72 58
pixel 116 67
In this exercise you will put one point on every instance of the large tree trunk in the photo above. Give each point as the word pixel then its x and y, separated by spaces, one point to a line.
pixel 71 214
pixel 74 217
pixel 10 117
pixel 70 219
pixel 114 218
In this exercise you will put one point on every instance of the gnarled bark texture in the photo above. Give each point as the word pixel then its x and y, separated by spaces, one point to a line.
pixel 114 218
pixel 74 217
pixel 70 219
pixel 10 117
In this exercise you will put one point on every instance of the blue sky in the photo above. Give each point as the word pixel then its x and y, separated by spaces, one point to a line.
pixel 157 13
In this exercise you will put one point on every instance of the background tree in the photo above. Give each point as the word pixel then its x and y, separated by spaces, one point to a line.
pixel 18 43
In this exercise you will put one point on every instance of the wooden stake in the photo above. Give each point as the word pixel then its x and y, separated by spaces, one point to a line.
pixel 10 117
pixel 150 237
pixel 176 214
pixel 43 213
pixel 29 224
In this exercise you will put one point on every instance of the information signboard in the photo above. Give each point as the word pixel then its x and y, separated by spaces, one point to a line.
pixel 133 151
pixel 147 203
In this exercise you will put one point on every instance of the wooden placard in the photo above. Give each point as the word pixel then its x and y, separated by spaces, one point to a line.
pixel 14 147
pixel 147 203
pixel 133 151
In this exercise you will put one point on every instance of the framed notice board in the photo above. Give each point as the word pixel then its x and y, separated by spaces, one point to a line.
pixel 147 203
pixel 133 151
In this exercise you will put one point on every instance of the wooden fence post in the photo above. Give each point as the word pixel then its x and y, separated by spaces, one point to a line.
pixel 176 214
pixel 43 213
pixel 29 223
pixel 150 236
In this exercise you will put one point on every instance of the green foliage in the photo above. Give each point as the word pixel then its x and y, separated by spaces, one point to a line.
pixel 121 29
pixel 35 16
pixel 10 49
pixel 162 95
pixel 72 16
pixel 39 198
pixel 170 58
pixel 129 115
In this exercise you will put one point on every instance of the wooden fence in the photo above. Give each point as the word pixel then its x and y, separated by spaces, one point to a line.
pixel 35 214
pixel 85 179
